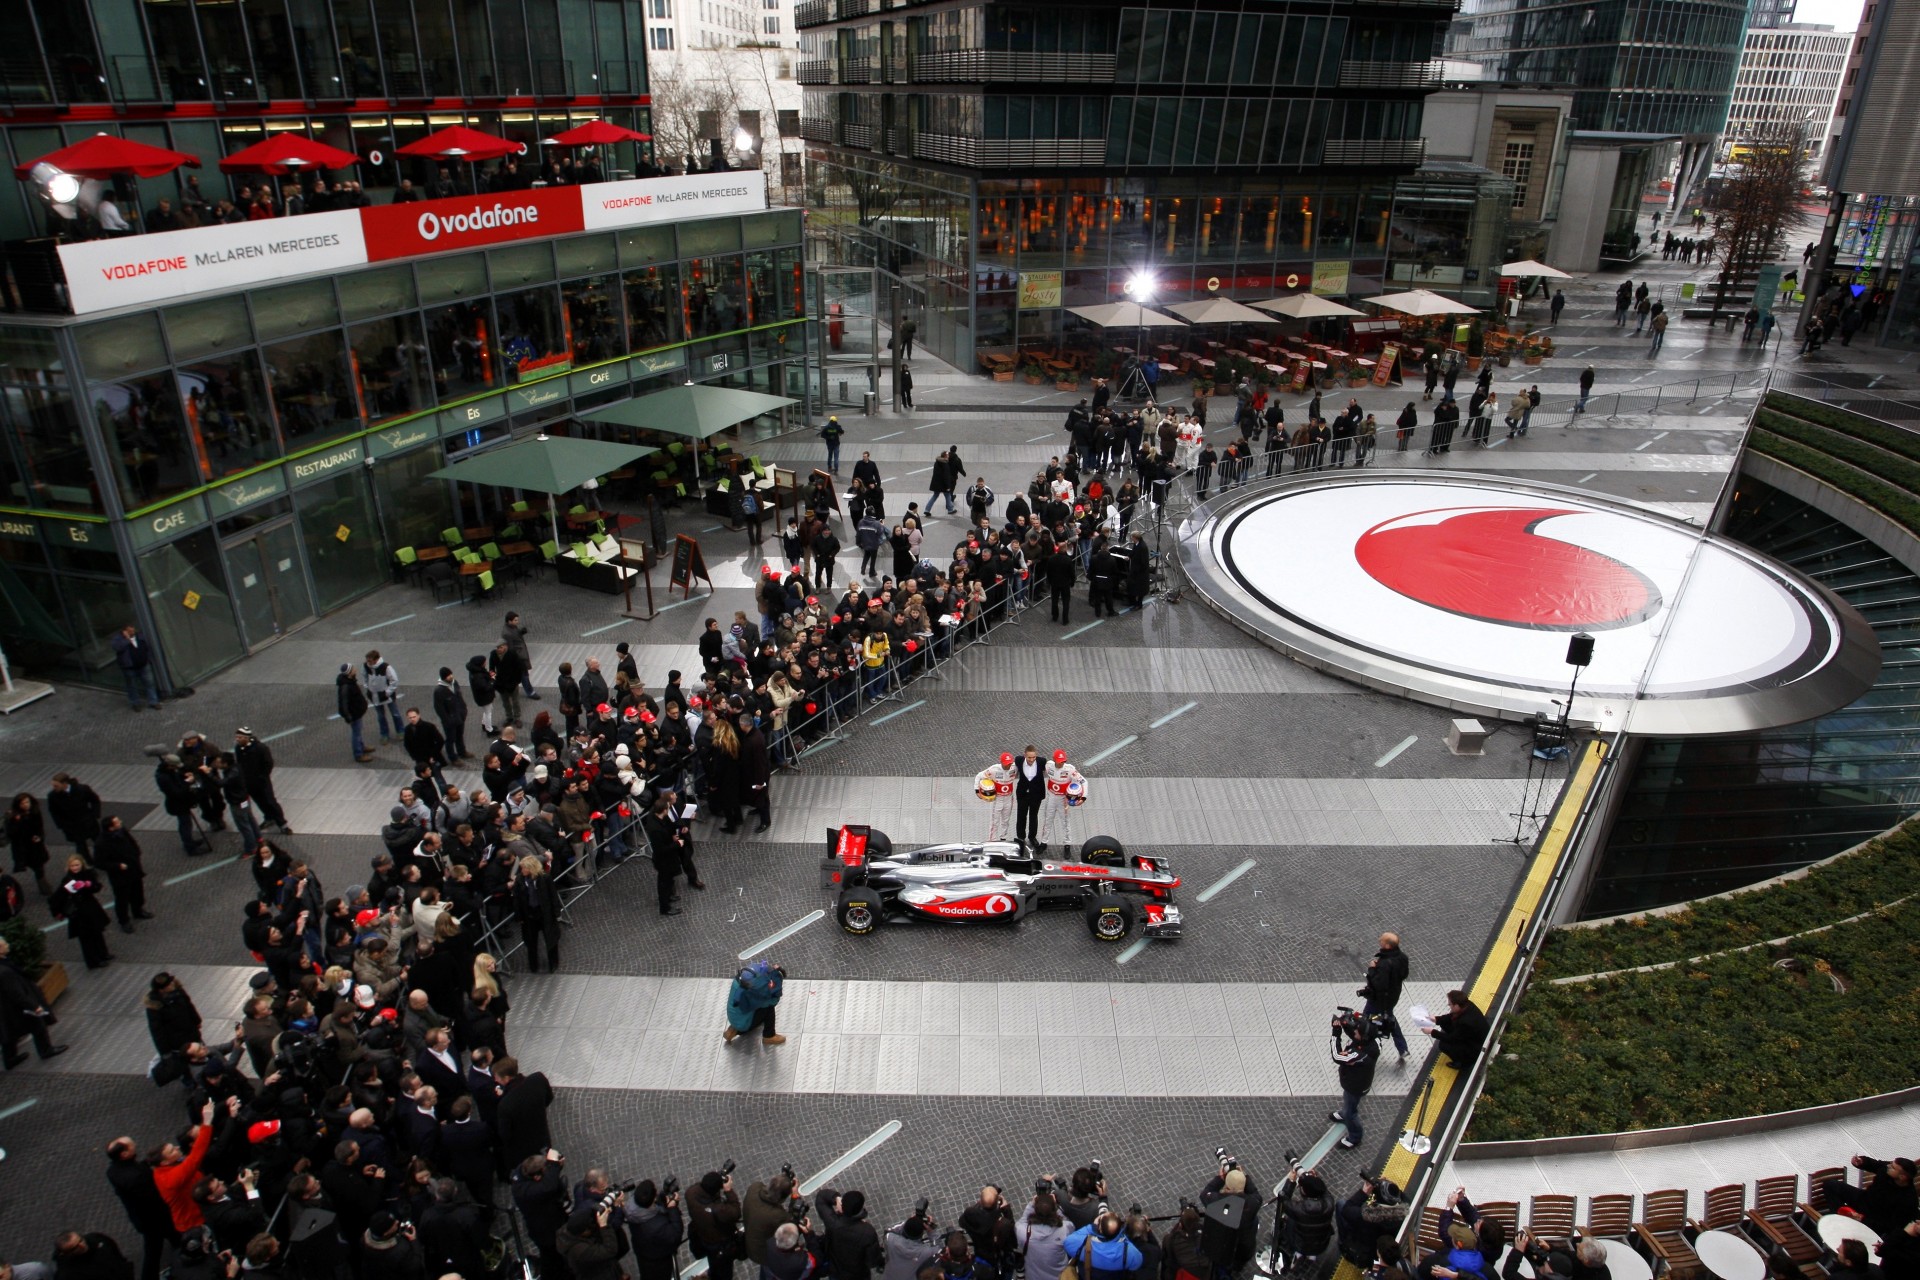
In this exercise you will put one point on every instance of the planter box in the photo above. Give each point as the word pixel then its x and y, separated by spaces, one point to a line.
pixel 1066 384
pixel 1006 376
pixel 1473 364
pixel 52 982
pixel 1034 381
pixel 1532 359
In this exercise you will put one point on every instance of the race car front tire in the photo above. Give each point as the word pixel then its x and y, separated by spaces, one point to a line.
pixel 1110 918
pixel 859 912
pixel 1103 851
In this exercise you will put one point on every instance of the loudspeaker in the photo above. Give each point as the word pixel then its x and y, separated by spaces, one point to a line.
pixel 1580 650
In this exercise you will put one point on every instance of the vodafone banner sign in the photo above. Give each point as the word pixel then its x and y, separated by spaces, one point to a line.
pixel 135 270
pixel 129 270
pixel 1465 590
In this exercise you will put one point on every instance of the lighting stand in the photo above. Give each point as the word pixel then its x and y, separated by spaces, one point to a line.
pixel 1168 581
pixel 1413 1140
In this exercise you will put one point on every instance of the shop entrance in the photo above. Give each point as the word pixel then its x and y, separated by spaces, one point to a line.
pixel 270 591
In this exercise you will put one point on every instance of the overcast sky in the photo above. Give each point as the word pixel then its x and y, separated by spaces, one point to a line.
pixel 1842 15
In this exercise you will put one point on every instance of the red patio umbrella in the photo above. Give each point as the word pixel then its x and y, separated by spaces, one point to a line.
pixel 596 133
pixel 287 153
pixel 461 143
pixel 105 156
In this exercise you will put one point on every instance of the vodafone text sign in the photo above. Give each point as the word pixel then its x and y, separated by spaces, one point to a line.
pixel 465 222
pixel 129 270
pixel 644 200
pixel 133 270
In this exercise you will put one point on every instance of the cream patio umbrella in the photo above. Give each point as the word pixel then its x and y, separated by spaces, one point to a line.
pixel 1423 302
pixel 1306 306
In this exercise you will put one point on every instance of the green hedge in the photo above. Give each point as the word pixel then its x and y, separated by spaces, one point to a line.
pixel 1869 458
pixel 1734 1036
pixel 1884 434
pixel 1896 504
pixel 1884 870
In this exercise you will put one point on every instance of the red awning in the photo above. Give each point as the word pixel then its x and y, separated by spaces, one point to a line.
pixel 104 156
pixel 596 133
pixel 287 153
pixel 461 143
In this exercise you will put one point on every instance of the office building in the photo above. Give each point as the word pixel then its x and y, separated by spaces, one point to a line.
pixel 721 75
pixel 222 431
pixel 1789 76
pixel 1005 162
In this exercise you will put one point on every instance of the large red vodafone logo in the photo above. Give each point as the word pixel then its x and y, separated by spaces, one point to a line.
pixel 464 222
pixel 1506 565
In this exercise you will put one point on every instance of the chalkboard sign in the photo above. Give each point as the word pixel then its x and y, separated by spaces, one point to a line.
pixel 657 525
pixel 687 564
pixel 832 490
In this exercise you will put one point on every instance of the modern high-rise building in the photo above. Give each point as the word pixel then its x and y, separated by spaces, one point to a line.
pixel 1770 15
pixel 1007 161
pixel 1788 76
pixel 223 430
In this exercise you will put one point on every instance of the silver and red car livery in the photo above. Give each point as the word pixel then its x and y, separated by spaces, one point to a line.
pixel 994 880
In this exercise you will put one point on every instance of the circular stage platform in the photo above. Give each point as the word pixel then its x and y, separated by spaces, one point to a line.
pixel 1463 591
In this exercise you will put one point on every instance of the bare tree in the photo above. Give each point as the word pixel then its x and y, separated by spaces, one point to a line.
pixel 685 105
pixel 1761 197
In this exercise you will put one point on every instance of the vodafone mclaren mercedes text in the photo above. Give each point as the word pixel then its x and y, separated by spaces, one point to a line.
pixel 1114 891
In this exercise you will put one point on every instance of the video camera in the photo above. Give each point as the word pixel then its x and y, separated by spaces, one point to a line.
pixel 1351 1030
pixel 1228 1163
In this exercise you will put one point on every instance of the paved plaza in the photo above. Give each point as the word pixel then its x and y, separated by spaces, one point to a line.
pixel 1305 815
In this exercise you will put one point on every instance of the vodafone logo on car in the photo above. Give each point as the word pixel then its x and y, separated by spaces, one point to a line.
pixel 438 226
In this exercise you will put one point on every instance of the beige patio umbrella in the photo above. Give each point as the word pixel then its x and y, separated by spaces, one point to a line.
pixel 1306 306
pixel 1528 267
pixel 1219 311
pixel 1423 302
pixel 1125 315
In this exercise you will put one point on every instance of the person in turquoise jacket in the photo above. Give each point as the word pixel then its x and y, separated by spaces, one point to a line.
pixel 756 992
pixel 1102 1250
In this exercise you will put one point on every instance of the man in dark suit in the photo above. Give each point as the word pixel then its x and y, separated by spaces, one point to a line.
pixel 522 1113
pixel 483 1088
pixel 466 1148
pixel 1029 793
pixel 1060 573
pixel 437 1066
pixel 132 1180
pixel 1461 1031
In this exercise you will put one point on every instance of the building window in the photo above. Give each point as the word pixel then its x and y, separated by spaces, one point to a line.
pixel 772 25
pixel 661 37
pixel 661 8
pixel 1518 167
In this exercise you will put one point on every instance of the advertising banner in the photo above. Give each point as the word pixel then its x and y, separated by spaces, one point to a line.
pixel 645 200
pixel 125 271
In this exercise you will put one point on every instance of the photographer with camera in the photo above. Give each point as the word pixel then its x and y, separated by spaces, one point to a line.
pixel 1101 1250
pixel 540 1193
pixel 851 1246
pixel 1549 1263
pixel 1470 1243
pixel 1231 1248
pixel 788 1257
pixel 655 1227
pixel 1374 1211
pixel 590 1242
pixel 389 1251
pixel 958 1261
pixel 988 1223
pixel 713 1222
pixel 910 1246
pixel 767 1205
pixel 1356 1053
pixel 1042 1233
pixel 453 1232
pixel 1306 1219
pixel 1086 1192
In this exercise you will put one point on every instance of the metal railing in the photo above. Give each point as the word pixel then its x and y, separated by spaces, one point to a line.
pixel 1373 151
pixel 973 65
pixel 811 13
pixel 1389 75
pixel 1859 400
pixel 814 71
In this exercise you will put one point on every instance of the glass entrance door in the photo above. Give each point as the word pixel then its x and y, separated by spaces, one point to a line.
pixel 269 583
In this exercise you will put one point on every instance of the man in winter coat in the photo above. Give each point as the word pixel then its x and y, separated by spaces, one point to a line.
pixel 132 1181
pixel 1386 975
pixel 520 1117
pixel 908 1249
pixel 480 680
pixel 713 1224
pixel 452 1231
pixel 508 672
pixel 1306 1221
pixel 655 1227
pixel 350 701
pixel 425 744
pixel 942 482
pixel 1110 1255
pixel 853 1246
pixel 1461 1030
pixel 763 1209
pixel 256 767
pixel 514 635
pixel 118 854
pixel 382 685
pixel 75 809
pixel 450 709
pixel 751 1002
pixel 23 1012
pixel 591 1245
pixel 1356 1054
pixel 180 791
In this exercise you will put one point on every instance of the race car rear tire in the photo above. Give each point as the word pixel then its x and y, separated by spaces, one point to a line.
pixel 877 843
pixel 1103 851
pixel 1110 918
pixel 858 912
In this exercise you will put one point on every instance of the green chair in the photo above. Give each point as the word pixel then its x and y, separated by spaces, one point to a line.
pixel 465 556
pixel 491 551
pixel 549 552
pixel 486 585
pixel 582 552
pixel 680 491
pixel 512 533
pixel 676 448
pixel 451 537
pixel 759 472
pixel 407 562
pixel 522 509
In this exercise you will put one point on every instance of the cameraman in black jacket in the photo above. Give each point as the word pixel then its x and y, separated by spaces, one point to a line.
pixel 655 1224
pixel 852 1246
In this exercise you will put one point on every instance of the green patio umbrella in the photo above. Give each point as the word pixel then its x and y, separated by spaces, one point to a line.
pixel 552 465
pixel 693 410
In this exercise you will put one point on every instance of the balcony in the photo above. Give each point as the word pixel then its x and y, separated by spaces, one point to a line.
pixel 1002 153
pixel 852 8
pixel 858 70
pixel 812 13
pixel 1389 75
pixel 814 129
pixel 857 135
pixel 1374 152
pixel 814 71
pixel 978 66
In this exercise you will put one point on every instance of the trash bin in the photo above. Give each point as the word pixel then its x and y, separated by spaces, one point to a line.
pixel 843 398
pixel 872 403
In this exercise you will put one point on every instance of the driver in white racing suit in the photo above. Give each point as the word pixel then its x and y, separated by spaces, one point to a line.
pixel 1066 790
pixel 995 785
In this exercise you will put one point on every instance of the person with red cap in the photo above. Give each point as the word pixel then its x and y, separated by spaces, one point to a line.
pixel 995 784
pixel 1066 789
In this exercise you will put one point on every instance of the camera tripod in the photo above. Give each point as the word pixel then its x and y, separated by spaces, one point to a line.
pixel 1133 384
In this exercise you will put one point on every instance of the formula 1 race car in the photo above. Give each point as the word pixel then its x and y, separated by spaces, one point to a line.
pixel 996 880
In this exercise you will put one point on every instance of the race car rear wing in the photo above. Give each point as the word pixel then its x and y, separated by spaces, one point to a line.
pixel 846 856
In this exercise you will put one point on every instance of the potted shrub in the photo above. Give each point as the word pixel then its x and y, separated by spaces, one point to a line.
pixel 1533 353
pixel 1034 373
pixel 1103 363
pixel 1066 380
pixel 28 949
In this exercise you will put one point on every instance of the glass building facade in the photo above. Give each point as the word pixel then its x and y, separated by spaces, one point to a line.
pixel 1706 815
pixel 367 76
pixel 1226 153
pixel 227 467
pixel 1635 66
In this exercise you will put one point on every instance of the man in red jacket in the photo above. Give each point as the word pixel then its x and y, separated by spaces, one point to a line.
pixel 175 1171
